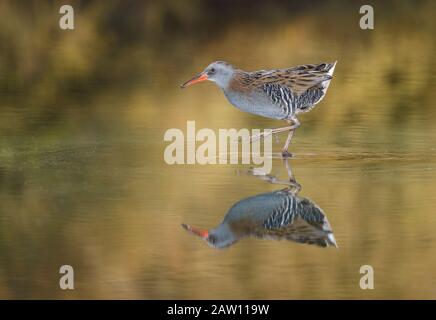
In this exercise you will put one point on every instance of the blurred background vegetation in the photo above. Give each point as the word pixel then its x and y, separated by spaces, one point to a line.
pixel 126 47
pixel 82 177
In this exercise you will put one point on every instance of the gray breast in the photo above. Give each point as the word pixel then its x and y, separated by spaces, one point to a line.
pixel 256 103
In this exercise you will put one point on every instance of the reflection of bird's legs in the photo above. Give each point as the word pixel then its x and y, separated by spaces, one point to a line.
pixel 292 185
pixel 285 152
pixel 270 178
pixel 292 182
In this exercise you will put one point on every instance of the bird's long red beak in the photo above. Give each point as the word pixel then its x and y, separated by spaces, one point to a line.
pixel 199 78
pixel 198 232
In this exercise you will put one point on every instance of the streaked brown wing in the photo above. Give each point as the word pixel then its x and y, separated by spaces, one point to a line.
pixel 308 224
pixel 297 79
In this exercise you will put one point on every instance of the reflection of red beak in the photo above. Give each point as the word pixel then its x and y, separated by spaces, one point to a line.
pixel 201 77
pixel 198 232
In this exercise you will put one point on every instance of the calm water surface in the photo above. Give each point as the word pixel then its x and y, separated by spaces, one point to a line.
pixel 87 186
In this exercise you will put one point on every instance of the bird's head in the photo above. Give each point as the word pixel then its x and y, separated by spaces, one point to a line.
pixel 219 72
pixel 220 237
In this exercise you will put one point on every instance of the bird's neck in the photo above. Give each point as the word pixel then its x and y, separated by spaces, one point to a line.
pixel 239 82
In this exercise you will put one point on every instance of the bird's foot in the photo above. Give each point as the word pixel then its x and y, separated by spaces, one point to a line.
pixel 286 154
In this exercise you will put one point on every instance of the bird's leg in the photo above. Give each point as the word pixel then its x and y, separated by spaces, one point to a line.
pixel 292 128
pixel 269 132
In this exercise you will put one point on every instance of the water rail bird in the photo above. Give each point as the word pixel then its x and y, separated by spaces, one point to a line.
pixel 275 215
pixel 277 94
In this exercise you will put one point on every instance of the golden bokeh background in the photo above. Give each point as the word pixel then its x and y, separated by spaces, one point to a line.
pixel 83 180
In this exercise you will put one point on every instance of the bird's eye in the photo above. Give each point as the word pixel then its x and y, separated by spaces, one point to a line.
pixel 212 70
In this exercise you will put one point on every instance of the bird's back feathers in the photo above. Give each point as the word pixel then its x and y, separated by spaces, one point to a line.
pixel 291 90
pixel 297 79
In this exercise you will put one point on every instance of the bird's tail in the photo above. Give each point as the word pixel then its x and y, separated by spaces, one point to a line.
pixel 330 68
pixel 331 240
pixel 320 89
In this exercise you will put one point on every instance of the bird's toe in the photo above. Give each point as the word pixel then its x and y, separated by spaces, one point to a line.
pixel 286 154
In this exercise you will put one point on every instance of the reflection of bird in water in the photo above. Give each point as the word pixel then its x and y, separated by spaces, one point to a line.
pixel 277 94
pixel 277 215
